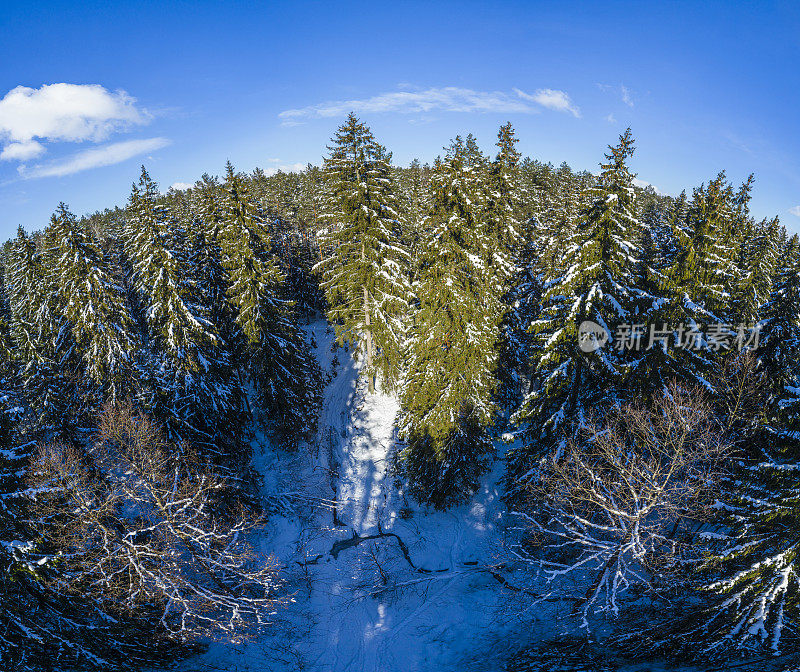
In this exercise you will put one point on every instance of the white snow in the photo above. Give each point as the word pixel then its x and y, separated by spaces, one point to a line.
pixel 364 606
pixel 361 604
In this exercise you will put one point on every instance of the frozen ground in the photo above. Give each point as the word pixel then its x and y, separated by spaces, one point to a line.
pixel 379 585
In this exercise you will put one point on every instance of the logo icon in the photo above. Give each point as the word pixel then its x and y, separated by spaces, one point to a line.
pixel 591 336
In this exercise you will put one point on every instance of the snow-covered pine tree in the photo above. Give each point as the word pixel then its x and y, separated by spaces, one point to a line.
pixel 779 347
pixel 560 197
pixel 447 396
pixel 757 259
pixel 363 262
pixel 597 286
pixel 94 306
pixel 42 337
pixel 15 535
pixel 704 272
pixel 302 252
pixel 190 378
pixel 41 628
pixel 23 277
pixel 666 312
pixel 205 262
pixel 503 226
pixel 693 276
pixel 548 225
pixel 301 281
pixel 290 225
pixel 523 301
pixel 753 560
pixel 540 258
pixel 414 204
pixel 286 376
pixel 655 214
pixel 504 236
pixel 653 364
pixel 312 197
pixel 675 229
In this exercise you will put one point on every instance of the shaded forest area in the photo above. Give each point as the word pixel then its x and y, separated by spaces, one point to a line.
pixel 656 478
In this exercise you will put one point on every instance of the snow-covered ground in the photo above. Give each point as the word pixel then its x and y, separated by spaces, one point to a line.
pixel 378 584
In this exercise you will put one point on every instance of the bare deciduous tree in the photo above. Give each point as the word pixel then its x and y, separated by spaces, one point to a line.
pixel 742 393
pixel 607 512
pixel 144 528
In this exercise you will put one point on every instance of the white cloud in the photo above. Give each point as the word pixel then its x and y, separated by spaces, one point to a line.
pixel 71 112
pixel 626 95
pixel 96 157
pixel 285 167
pixel 63 113
pixel 552 99
pixel 624 92
pixel 447 99
pixel 21 151
pixel 181 186
pixel 644 184
pixel 611 119
pixel 795 211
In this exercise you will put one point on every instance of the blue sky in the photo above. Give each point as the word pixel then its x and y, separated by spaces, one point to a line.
pixel 183 87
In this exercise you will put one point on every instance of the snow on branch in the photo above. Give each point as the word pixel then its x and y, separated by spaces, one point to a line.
pixel 143 527
pixel 608 511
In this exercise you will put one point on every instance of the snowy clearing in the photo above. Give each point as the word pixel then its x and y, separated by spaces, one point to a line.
pixel 379 584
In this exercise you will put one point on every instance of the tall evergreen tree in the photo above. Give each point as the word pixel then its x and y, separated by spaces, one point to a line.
pixel 779 348
pixel 447 397
pixel 598 287
pixel 507 257
pixel 190 378
pixel 696 281
pixel 414 205
pixel 503 228
pixel 205 259
pixel 44 346
pixel 285 374
pixel 758 257
pixel 94 307
pixel 750 571
pixel 23 631
pixel 704 271
pixel 363 260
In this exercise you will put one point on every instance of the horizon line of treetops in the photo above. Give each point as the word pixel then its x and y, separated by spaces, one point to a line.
pixel 460 285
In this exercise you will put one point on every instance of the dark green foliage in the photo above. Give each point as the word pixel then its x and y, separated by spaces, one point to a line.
pixel 287 379
pixel 184 353
pixel 414 196
pixel 363 259
pixel 453 351
pixel 462 285
pixel 44 348
pixel 704 271
pixel 599 285
pixel 94 306
pixel 753 565
pixel 444 474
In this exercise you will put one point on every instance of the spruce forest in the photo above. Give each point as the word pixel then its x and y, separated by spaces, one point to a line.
pixel 266 421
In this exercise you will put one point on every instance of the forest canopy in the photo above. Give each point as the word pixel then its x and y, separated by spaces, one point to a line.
pixel 632 357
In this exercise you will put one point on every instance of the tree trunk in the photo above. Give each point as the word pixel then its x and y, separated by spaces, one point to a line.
pixel 598 580
pixel 246 400
pixel 368 332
